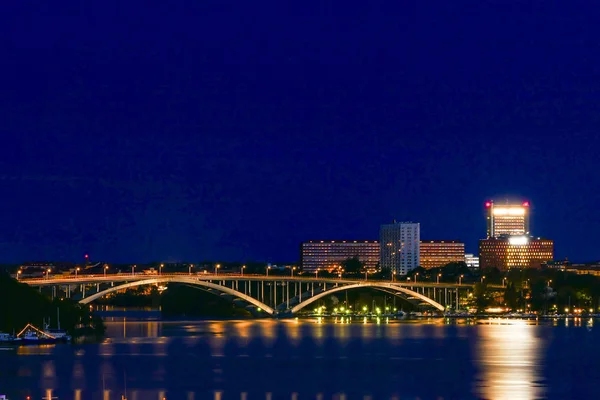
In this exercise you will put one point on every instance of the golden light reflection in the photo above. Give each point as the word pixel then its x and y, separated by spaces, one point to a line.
pixel 319 332
pixel 510 362
pixel 242 329
pixel 48 370
pixel 293 328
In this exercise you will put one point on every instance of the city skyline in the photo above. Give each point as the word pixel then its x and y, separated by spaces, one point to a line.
pixel 488 206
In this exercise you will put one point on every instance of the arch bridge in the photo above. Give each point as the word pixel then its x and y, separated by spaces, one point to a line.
pixel 275 295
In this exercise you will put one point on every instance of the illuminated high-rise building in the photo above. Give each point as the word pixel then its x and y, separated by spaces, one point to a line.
pixel 509 243
pixel 507 219
pixel 399 246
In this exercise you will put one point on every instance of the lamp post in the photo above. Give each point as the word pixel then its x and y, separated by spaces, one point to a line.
pixel 482 278
pixel 366 275
pixel 416 276
pixel 317 273
pixel 504 282
pixel 460 279
pixel 292 271
pixel 160 267
pixel 217 269
pixel 133 270
pixel 18 273
pixel 76 271
pixel 243 268
pixel 438 278
pixel 549 282
pixel 190 269
pixel 48 273
pixel 393 276
pixel 105 269
pixel 268 268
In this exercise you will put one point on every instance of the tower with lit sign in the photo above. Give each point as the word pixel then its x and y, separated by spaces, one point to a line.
pixel 509 243
pixel 507 219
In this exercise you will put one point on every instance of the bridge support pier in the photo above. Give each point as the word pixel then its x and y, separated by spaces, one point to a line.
pixel 457 300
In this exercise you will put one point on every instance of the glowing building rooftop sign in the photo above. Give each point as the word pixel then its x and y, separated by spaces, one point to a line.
pixel 518 240
pixel 514 211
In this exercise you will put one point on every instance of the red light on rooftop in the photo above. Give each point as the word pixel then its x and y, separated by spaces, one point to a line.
pixel 525 204
pixel 488 204
pixel 86 256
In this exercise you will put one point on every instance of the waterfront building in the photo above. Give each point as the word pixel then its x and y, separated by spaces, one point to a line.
pixel 330 254
pixel 399 246
pixel 507 219
pixel 472 261
pixel 591 268
pixel 437 253
pixel 508 252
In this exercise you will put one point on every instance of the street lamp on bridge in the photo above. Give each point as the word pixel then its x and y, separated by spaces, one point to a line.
pixel 482 278
pixel 19 272
pixel 160 267
pixel 268 268
pixel 242 269
pixel 292 271
pixel 133 270
pixel 317 273
pixel 438 278
pixel 105 269
pixel 504 282
pixel 217 269
pixel 76 271
pixel 416 276
pixel 48 273
pixel 393 276
pixel 460 279
pixel 190 269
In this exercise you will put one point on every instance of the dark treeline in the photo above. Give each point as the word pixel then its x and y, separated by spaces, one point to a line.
pixel 21 304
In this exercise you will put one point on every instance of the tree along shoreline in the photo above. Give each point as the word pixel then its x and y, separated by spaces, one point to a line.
pixel 21 305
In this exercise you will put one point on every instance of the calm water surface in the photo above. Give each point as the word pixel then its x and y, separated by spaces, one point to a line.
pixel 266 359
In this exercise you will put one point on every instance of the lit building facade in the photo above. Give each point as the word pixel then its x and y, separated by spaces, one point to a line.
pixel 399 246
pixel 472 261
pixel 507 219
pixel 330 254
pixel 509 252
pixel 437 253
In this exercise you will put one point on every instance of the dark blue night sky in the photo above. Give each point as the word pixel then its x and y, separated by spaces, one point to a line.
pixel 234 130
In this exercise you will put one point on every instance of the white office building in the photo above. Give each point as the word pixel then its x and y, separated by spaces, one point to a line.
pixel 399 244
pixel 472 261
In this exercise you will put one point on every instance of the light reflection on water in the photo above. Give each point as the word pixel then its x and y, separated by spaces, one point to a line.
pixel 495 359
pixel 510 357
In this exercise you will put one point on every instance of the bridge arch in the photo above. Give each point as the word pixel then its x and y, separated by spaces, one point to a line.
pixel 184 280
pixel 375 285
